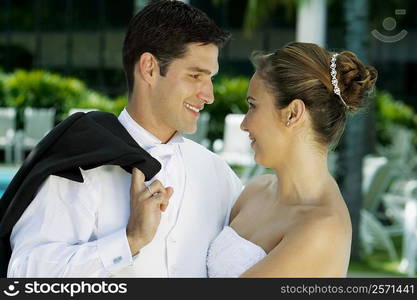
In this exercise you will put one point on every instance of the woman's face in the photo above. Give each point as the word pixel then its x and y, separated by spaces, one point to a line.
pixel 265 124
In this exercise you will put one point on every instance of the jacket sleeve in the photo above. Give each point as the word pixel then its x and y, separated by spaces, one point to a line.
pixel 56 235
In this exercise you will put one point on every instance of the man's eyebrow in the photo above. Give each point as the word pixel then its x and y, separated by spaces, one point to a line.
pixel 200 70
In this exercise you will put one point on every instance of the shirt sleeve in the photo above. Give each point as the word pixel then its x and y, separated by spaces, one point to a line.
pixel 236 188
pixel 56 235
pixel 231 184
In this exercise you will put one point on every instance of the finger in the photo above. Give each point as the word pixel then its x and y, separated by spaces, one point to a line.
pixel 169 191
pixel 163 207
pixel 157 187
pixel 138 181
pixel 165 201
pixel 165 198
pixel 164 204
pixel 148 192
pixel 157 201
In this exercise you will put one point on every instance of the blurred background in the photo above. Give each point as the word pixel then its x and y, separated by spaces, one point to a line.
pixel 60 57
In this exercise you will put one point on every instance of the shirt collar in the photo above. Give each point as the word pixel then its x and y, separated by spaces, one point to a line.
pixel 144 138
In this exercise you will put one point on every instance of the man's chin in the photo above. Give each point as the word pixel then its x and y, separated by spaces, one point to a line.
pixel 190 130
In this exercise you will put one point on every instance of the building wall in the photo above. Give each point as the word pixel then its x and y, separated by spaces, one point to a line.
pixel 86 47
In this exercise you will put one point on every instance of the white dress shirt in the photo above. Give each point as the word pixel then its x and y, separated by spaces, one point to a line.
pixel 74 229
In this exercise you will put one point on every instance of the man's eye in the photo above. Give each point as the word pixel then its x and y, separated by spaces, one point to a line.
pixel 251 105
pixel 195 76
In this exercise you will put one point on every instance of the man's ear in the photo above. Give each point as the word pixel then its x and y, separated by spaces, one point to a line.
pixel 295 112
pixel 147 68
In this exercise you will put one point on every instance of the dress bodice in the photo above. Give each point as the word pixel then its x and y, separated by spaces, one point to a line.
pixel 230 255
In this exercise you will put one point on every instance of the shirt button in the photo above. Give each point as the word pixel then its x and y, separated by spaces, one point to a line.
pixel 116 260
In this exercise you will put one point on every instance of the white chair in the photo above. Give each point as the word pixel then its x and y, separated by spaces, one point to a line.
pixel 76 109
pixel 373 235
pixel 200 136
pixel 409 256
pixel 37 123
pixel 405 187
pixel 236 145
pixel 378 174
pixel 402 212
pixel 7 131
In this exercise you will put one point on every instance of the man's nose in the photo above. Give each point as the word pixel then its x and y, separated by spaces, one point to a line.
pixel 206 93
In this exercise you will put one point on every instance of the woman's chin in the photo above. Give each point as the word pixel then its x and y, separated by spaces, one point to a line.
pixel 256 158
pixel 259 161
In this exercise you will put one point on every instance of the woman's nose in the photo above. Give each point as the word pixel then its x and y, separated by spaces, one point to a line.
pixel 243 125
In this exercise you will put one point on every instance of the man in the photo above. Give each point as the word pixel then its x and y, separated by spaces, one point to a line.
pixel 114 224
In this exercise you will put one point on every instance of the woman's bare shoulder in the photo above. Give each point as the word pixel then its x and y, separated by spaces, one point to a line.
pixel 325 224
pixel 318 247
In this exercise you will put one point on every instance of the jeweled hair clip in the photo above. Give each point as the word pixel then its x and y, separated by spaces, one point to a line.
pixel 335 82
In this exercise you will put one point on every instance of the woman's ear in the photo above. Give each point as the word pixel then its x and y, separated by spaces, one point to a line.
pixel 295 112
pixel 147 68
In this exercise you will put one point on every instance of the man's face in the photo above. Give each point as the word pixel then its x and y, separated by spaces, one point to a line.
pixel 179 96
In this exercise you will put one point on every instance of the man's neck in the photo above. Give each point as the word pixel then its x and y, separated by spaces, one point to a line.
pixel 152 126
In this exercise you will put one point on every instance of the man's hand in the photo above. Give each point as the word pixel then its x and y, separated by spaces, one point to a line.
pixel 145 210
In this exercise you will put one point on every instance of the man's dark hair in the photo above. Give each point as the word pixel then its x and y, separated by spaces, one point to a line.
pixel 164 28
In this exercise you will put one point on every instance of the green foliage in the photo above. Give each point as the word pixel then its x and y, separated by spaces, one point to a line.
pixel 43 89
pixel 230 97
pixel 378 263
pixel 259 12
pixel 2 89
pixel 118 104
pixel 391 112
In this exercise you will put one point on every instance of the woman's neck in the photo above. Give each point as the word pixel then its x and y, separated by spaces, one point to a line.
pixel 302 177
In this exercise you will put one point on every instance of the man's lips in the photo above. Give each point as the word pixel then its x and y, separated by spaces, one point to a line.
pixel 193 108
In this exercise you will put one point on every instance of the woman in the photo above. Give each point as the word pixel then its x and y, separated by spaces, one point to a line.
pixel 294 223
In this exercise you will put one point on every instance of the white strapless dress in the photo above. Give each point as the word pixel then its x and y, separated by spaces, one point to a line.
pixel 230 255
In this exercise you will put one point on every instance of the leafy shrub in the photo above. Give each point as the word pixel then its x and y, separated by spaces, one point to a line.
pixel 2 89
pixel 43 89
pixel 391 112
pixel 230 97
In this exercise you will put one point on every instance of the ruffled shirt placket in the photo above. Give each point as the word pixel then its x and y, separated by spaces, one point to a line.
pixel 172 171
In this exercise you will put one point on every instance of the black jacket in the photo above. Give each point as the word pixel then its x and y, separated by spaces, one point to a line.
pixel 81 141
